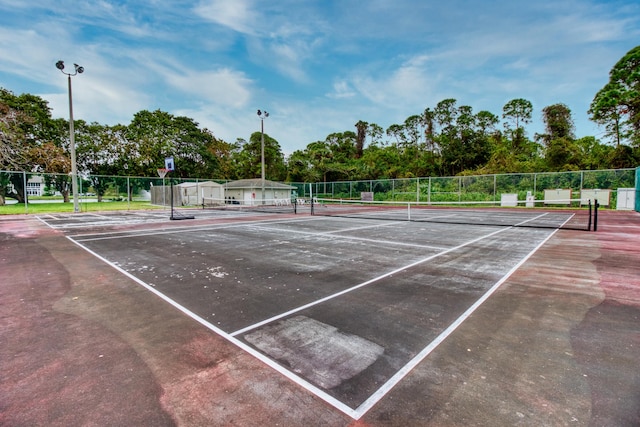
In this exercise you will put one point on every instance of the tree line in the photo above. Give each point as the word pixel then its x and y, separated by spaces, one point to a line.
pixel 443 140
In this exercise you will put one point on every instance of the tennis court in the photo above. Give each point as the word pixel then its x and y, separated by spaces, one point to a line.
pixel 344 308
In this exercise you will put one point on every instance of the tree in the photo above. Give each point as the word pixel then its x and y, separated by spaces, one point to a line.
pixel 343 146
pixel 428 121
pixel 381 162
pixel 102 152
pixel 617 105
pixel 563 154
pixel 13 150
pixel 594 155
pixel 375 132
pixel 158 134
pixel 361 136
pixel 561 150
pixel 396 131
pixel 299 168
pixel 248 158
pixel 464 139
pixel 14 153
pixel 517 112
pixel 558 121
pixel 27 134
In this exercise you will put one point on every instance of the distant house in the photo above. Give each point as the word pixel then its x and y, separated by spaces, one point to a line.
pixel 249 192
pixel 35 186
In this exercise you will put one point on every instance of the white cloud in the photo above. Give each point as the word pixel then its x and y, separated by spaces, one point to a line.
pixel 224 86
pixel 341 89
pixel 411 83
pixel 238 15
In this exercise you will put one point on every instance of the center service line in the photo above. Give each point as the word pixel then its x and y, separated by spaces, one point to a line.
pixel 363 284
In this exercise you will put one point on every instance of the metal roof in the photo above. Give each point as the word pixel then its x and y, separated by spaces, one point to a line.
pixel 257 183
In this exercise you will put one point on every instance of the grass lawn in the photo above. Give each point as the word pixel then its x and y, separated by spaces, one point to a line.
pixel 39 208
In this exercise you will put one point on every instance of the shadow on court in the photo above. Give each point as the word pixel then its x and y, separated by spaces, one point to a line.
pixel 343 307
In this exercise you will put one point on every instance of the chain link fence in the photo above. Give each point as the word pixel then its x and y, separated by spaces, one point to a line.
pixel 477 188
pixel 25 188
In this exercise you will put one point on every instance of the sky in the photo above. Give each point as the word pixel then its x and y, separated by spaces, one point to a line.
pixel 317 66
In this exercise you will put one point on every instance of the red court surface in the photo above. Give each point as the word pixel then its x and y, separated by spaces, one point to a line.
pixel 556 343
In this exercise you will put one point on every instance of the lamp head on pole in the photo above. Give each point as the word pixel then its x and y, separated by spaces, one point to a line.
pixel 263 114
pixel 77 68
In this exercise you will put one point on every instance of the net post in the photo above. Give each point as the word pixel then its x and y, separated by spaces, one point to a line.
pixel 295 206
pixel 312 206
pixel 171 200
pixel 589 223
pixel 595 215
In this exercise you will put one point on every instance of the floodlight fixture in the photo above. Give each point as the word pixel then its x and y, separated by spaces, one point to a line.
pixel 77 69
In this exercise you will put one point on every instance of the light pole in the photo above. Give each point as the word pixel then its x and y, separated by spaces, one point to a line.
pixel 263 115
pixel 72 143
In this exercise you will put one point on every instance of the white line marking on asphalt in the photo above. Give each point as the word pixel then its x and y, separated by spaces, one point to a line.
pixel 394 380
pixel 363 239
pixel 382 391
pixel 266 360
pixel 366 283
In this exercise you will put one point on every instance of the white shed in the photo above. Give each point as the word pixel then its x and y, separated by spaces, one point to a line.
pixel 250 192
pixel 193 193
pixel 188 193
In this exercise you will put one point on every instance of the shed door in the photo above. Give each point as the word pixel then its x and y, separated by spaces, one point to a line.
pixel 626 197
pixel 248 198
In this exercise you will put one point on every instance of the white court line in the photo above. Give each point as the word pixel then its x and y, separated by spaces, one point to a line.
pixel 363 239
pixel 363 284
pixel 399 376
pixel 381 392
pixel 187 229
pixel 39 218
pixel 122 234
pixel 96 214
pixel 363 227
pixel 269 362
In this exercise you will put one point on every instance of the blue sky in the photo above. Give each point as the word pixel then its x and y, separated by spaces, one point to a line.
pixel 317 66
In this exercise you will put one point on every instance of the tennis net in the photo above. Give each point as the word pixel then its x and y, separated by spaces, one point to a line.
pixel 285 206
pixel 565 214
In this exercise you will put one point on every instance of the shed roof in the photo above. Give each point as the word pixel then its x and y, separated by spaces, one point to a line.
pixel 257 183
pixel 200 184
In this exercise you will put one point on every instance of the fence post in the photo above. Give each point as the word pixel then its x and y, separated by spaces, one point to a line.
pixel 495 189
pixel 26 193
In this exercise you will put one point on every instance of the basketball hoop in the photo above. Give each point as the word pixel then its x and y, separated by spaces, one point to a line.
pixel 162 172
